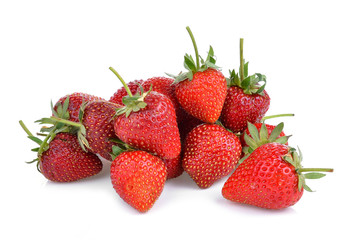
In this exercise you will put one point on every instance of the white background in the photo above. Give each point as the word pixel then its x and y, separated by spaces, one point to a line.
pixel 52 48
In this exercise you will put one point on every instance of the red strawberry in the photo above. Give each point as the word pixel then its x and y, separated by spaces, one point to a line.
pixel 95 130
pixel 173 167
pixel 138 177
pixel 61 159
pixel 246 100
pixel 211 152
pixel 165 86
pixel 148 122
pixel 271 177
pixel 121 92
pixel 75 101
pixel 202 90
pixel 98 122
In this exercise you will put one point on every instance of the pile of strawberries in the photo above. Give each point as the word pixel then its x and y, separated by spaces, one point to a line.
pixel 153 130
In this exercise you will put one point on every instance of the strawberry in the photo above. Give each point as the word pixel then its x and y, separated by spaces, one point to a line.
pixel 165 86
pixel 121 92
pixel 95 130
pixel 61 159
pixel 211 153
pixel 75 101
pixel 138 177
pixel 202 90
pixel 173 167
pixel 246 100
pixel 148 122
pixel 271 177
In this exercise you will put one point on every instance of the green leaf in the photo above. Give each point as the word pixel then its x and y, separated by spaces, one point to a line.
pixel 276 132
pixel 314 175
pixel 189 63
pixel 246 82
pixel 253 131
pixel 250 141
pixel 282 140
pixel 263 133
pixel 245 69
pixel 35 139
pixel 306 187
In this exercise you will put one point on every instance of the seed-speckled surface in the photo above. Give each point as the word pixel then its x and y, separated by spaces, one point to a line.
pixel 264 179
pixel 138 177
pixel 204 95
pixel 173 167
pixel 65 161
pixel 153 128
pixel 211 152
pixel 240 108
pixel 165 86
pixel 99 124
pixel 75 101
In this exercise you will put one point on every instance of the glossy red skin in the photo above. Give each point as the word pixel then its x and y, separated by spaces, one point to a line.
pixel 204 95
pixel 264 179
pixel 258 126
pixel 165 86
pixel 173 167
pixel 240 108
pixel 75 101
pixel 153 128
pixel 211 153
pixel 138 177
pixel 121 92
pixel 65 161
pixel 99 124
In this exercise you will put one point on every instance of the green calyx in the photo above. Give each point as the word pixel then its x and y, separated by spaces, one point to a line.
pixel 60 123
pixel 295 160
pixel 261 137
pixel 249 84
pixel 133 103
pixel 119 148
pixel 199 66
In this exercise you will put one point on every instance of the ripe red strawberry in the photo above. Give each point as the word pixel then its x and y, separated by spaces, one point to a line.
pixel 211 153
pixel 121 92
pixel 75 101
pixel 246 100
pixel 99 125
pixel 148 122
pixel 271 177
pixel 61 159
pixel 165 86
pixel 138 177
pixel 202 90
pixel 173 167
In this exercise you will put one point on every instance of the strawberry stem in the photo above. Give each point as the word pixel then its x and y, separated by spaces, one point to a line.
pixel 315 170
pixel 68 122
pixel 242 61
pixel 25 128
pixel 277 115
pixel 195 47
pixel 122 81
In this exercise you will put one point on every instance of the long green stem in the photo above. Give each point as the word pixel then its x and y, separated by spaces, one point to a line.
pixel 242 61
pixel 195 46
pixel 122 81
pixel 25 128
pixel 277 115
pixel 315 170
